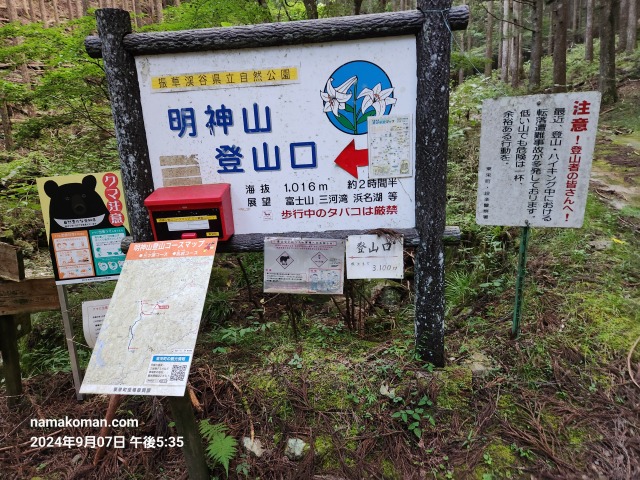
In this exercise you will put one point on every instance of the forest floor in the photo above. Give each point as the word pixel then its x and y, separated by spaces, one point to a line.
pixel 558 402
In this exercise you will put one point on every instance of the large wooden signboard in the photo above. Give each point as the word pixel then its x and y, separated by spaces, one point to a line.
pixel 280 111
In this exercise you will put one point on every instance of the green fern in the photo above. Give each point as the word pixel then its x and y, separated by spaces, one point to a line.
pixel 221 447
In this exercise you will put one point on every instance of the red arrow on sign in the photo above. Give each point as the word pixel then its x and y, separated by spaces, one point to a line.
pixel 350 159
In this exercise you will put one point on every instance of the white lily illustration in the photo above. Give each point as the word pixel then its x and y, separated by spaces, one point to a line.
pixel 335 98
pixel 377 98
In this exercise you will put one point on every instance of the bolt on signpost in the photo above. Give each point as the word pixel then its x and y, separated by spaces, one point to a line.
pixel 535 173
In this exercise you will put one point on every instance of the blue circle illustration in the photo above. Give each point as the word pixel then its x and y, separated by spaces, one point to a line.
pixel 354 92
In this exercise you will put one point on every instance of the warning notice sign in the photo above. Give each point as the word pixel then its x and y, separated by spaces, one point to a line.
pixel 303 265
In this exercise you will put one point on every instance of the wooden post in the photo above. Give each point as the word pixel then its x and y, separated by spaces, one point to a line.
pixel 432 124
pixel 193 450
pixel 69 337
pixel 10 359
pixel 124 93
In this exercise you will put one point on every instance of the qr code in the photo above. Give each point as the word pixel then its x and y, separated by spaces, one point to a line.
pixel 178 373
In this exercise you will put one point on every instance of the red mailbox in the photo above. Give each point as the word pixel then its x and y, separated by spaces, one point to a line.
pixel 194 211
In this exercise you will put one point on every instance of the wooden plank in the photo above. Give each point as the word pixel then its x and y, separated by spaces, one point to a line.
pixel 10 360
pixel 11 263
pixel 254 242
pixel 286 33
pixel 30 296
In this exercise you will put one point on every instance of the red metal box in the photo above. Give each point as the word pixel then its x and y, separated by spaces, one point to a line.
pixel 194 211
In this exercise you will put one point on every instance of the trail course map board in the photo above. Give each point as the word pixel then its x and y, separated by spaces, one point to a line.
pixel 146 343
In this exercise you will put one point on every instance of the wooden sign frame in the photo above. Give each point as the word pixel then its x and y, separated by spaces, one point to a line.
pixel 432 24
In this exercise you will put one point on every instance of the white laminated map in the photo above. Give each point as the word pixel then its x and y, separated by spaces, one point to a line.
pixel 146 343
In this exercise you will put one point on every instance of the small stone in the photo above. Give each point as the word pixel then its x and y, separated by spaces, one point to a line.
pixel 479 364
pixel 600 244
pixel 296 448
pixel 253 446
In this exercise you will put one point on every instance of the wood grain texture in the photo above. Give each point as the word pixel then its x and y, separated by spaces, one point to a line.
pixel 432 124
pixel 285 33
pixel 255 242
pixel 29 296
pixel 124 92
pixel 11 263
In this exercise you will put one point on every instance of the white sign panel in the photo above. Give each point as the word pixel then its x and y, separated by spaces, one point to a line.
pixel 93 313
pixel 374 256
pixel 148 336
pixel 303 265
pixel 287 127
pixel 535 159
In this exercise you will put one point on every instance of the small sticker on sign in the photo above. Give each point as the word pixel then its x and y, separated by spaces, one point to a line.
pixel 168 369
pixel 374 256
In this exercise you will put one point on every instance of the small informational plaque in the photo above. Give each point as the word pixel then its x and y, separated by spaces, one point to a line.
pixel 303 265
pixel 85 220
pixel 148 336
pixel 390 146
pixel 535 159
pixel 374 256
pixel 93 313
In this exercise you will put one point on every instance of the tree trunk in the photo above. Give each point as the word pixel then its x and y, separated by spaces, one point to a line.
pixel 12 12
pixel 43 13
pixel 560 11
pixel 506 40
pixel 56 15
pixel 575 18
pixel 551 33
pixel 70 9
pixel 138 13
pixel 607 82
pixel 6 125
pixel 588 32
pixel 536 44
pixel 357 6
pixel 85 7
pixel 516 45
pixel 159 12
pixel 488 52
pixel 311 7
pixel 32 11
pixel 26 15
pixel 623 22
pixel 632 27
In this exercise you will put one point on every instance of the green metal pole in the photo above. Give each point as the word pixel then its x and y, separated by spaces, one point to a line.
pixel 522 262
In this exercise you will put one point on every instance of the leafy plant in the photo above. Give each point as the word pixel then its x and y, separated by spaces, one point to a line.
pixel 413 417
pixel 221 447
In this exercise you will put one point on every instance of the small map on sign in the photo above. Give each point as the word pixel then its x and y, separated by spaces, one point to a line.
pixel 390 146
pixel 146 342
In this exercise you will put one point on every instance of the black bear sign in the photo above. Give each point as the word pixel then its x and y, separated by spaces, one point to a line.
pixel 85 224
